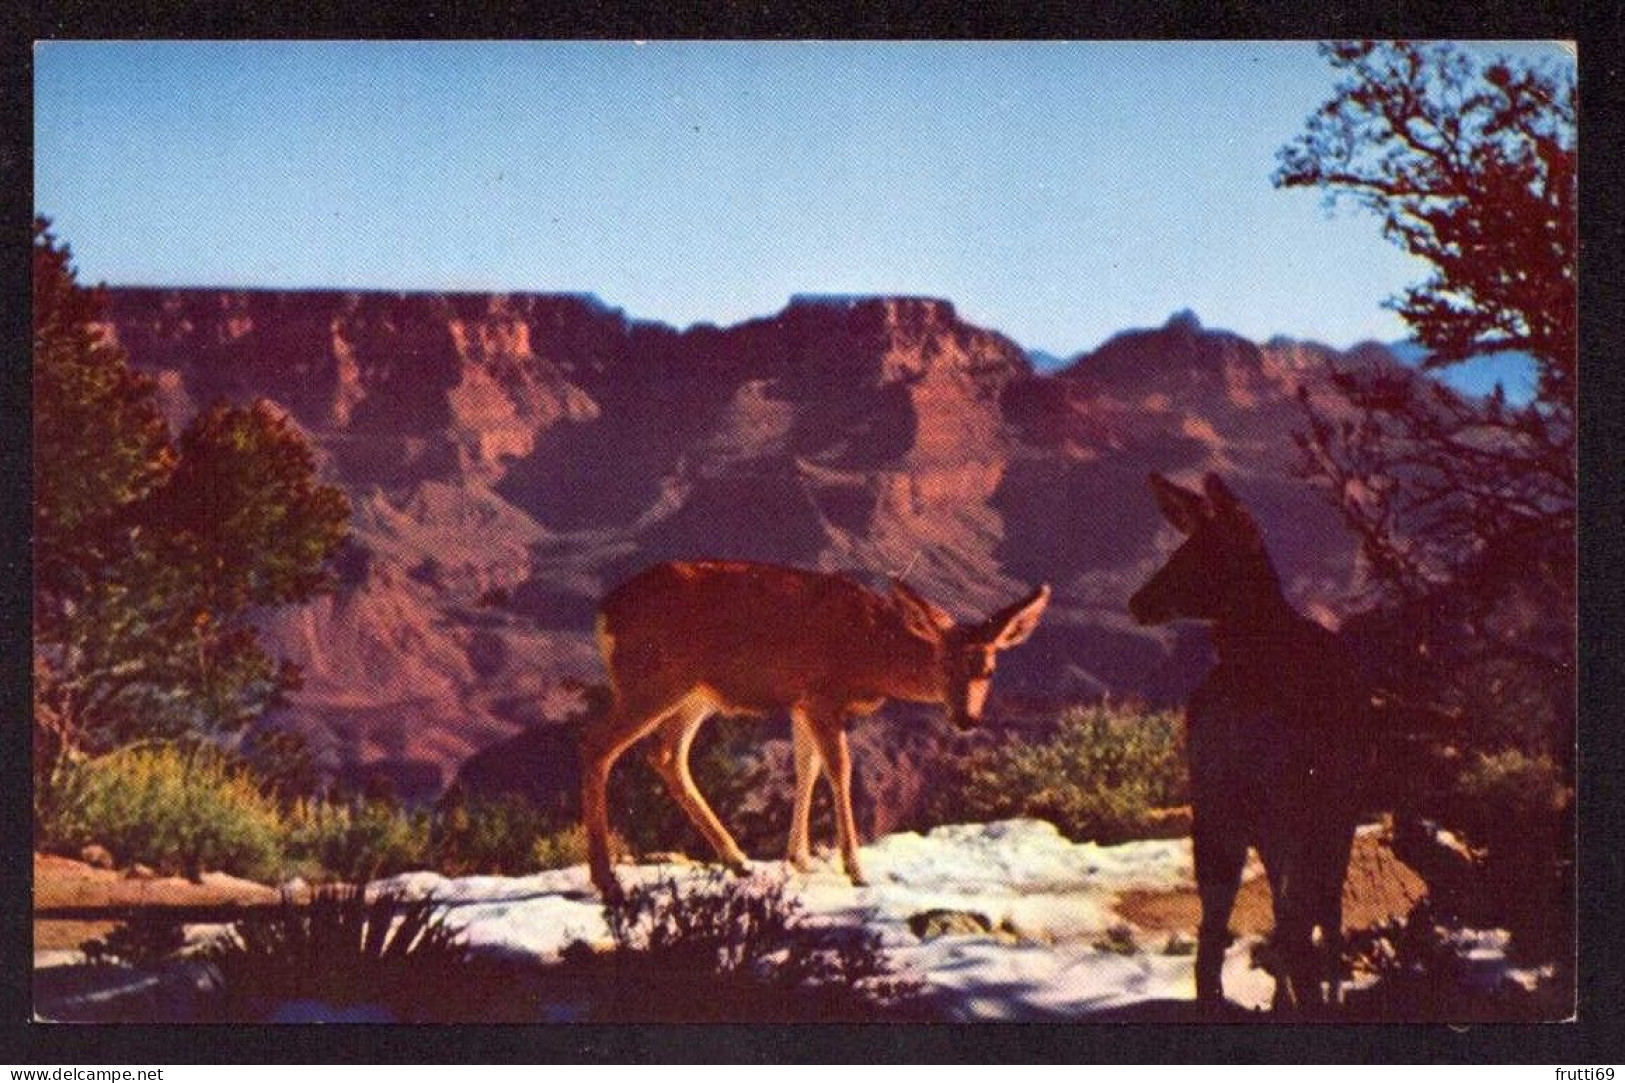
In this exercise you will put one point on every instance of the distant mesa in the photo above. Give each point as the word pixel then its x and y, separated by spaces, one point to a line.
pixel 1184 320
pixel 828 300
pixel 852 300
pixel 586 299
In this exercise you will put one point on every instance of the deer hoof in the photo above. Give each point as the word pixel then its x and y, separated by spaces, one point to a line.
pixel 609 890
pixel 857 878
pixel 801 862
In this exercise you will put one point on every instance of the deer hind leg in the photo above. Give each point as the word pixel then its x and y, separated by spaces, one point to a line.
pixel 1308 893
pixel 1290 941
pixel 670 761
pixel 837 757
pixel 1220 852
pixel 601 745
pixel 808 765
pixel 1326 913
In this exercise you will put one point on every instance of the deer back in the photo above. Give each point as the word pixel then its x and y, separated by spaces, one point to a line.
pixel 760 637
pixel 1277 731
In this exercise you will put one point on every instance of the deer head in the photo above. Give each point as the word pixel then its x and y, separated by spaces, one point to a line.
pixel 1218 571
pixel 966 654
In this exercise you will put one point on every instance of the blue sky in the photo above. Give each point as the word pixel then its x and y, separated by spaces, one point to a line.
pixel 1056 192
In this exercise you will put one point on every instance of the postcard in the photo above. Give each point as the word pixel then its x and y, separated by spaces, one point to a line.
pixel 804 532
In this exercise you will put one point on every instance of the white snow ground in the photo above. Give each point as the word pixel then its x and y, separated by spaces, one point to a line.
pixel 1049 901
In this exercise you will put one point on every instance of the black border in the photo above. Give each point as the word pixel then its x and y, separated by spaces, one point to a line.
pixel 1594 1038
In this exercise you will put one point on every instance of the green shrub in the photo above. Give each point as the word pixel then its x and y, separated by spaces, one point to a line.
pixel 497 836
pixel 176 809
pixel 357 840
pixel 1502 796
pixel 560 849
pixel 1101 774
pixel 188 810
pixel 369 838
pixel 729 767
pixel 1518 808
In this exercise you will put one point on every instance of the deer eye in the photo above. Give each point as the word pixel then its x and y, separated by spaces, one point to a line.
pixel 978 664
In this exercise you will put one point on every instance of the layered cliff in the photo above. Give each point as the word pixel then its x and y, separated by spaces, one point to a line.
pixel 512 457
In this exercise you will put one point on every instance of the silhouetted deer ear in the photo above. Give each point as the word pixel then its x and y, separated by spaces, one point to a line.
pixel 1229 514
pixel 1181 507
pixel 1227 508
pixel 1016 624
pixel 1219 494
pixel 925 617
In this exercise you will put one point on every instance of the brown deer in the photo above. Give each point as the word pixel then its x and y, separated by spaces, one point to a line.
pixel 1271 739
pixel 682 641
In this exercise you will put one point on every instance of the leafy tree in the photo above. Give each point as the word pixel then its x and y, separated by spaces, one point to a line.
pixel 1464 506
pixel 83 386
pixel 153 553
pixel 1470 165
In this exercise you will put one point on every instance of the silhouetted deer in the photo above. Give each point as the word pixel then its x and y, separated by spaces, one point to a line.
pixel 1271 735
pixel 685 640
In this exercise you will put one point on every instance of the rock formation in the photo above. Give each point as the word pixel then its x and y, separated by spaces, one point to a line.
pixel 511 457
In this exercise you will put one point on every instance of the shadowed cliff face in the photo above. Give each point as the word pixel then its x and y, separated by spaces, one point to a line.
pixel 511 458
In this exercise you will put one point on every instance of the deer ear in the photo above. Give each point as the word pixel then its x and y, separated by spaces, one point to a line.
pixel 1016 624
pixel 923 616
pixel 1180 506
pixel 1225 505
pixel 1219 495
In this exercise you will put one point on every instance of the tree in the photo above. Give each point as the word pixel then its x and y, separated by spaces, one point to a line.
pixel 82 386
pixel 1465 506
pixel 1472 168
pixel 1470 165
pixel 151 553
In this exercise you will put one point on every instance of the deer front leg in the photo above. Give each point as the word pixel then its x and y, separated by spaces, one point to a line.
pixel 1327 912
pixel 832 746
pixel 595 767
pixel 808 764
pixel 1220 853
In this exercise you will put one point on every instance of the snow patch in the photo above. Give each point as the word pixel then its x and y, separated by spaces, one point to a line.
pixel 1056 948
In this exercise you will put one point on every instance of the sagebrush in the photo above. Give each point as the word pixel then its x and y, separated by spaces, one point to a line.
pixel 186 809
pixel 1102 773
pixel 175 808
pixel 340 947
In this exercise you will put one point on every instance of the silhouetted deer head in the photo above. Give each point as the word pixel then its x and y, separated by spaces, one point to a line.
pixel 1221 571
